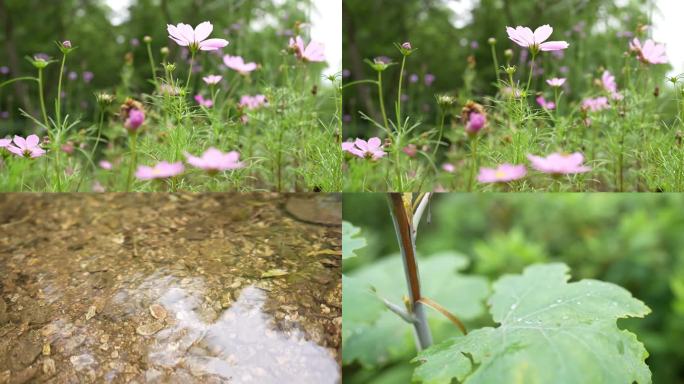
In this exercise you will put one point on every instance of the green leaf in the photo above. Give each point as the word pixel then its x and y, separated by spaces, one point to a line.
pixel 351 240
pixel 550 331
pixel 373 335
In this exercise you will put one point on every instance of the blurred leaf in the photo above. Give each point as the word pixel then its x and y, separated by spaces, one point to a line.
pixel 551 331
pixel 351 240
pixel 374 336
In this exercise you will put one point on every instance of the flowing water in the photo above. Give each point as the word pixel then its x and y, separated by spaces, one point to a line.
pixel 180 288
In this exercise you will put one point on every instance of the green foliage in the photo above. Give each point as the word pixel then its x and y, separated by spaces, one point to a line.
pixel 351 240
pixel 631 240
pixel 373 335
pixel 550 331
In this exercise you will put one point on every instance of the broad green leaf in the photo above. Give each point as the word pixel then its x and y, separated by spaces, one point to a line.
pixel 373 335
pixel 550 331
pixel 351 240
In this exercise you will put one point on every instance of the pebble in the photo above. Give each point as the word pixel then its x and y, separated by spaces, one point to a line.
pixel 158 312
pixel 81 361
pixel 149 329
pixel 49 367
pixel 92 311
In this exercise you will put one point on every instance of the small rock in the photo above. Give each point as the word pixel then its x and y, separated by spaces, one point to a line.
pixel 158 312
pixel 49 367
pixel 46 349
pixel 114 354
pixel 81 361
pixel 92 311
pixel 149 329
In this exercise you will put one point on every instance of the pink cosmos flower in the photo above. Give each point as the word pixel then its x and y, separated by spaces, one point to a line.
pixel 502 174
pixel 213 160
pixel 524 37
pixel 448 167
pixel 161 170
pixel 650 52
pixel 185 36
pixel 476 121
pixel 5 142
pixel 429 79
pixel 545 104
pixel 135 119
pixel 104 164
pixel 28 147
pixel 315 51
pixel 411 150
pixel 371 149
pixel 252 102
pixel 608 83
pixel 207 103
pixel 558 164
pixel 212 79
pixel 597 104
pixel 88 76
pixel 556 82
pixel 238 64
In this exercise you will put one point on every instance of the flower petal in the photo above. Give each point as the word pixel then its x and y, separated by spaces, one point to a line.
pixel 542 33
pixel 553 45
pixel 20 142
pixel 212 44
pixel 32 141
pixel 203 30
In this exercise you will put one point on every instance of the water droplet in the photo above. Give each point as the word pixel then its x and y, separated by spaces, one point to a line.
pixel 514 306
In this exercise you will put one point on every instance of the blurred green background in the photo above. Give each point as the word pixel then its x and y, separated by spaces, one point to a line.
pixel 256 29
pixel 633 240
pixel 452 47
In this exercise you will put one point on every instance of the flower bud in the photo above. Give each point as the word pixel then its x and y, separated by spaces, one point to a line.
pixel 491 41
pixel 133 115
pixel 147 39
pixel 508 54
pixel 104 99
pixel 164 51
pixel 474 117
pixel 66 44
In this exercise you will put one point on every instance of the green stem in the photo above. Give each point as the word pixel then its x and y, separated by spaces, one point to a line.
pixel 42 99
pixel 496 63
pixel 382 103
pixel 152 66
pixel 529 76
pixel 58 102
pixel 473 167
pixel 439 138
pixel 401 78
pixel 129 178
pixel 192 61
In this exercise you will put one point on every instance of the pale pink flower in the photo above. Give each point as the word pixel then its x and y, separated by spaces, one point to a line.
pixel 104 164
pixel 315 51
pixel 5 142
pixel 524 37
pixel 448 167
pixel 545 104
pixel 98 187
pixel 29 147
pixel 252 102
pixel 556 82
pixel 213 160
pixel 207 103
pixel 185 36
pixel 558 164
pixel 371 149
pixel 212 79
pixel 650 52
pixel 411 150
pixel 238 64
pixel 597 104
pixel 502 174
pixel 161 170
pixel 608 83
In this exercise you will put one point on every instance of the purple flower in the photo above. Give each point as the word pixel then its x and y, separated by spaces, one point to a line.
pixel 207 103
pixel 29 147
pixel 474 44
pixel 4 115
pixel 185 36
pixel 429 79
pixel 88 76
pixel 346 73
pixel 594 105
pixel 161 170
pixel 252 102
pixel 73 75
pixel 406 45
pixel 476 121
pixel 135 42
pixel 213 160
pixel 448 167
pixel 371 149
pixel 558 164
pixel 4 70
pixel 104 164
pixel 135 119
pixel 545 104
pixel 608 83
pixel 502 174
pixel 413 78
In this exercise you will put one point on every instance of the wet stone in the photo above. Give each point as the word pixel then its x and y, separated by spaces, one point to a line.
pixel 81 362
pixel 149 329
pixel 158 312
